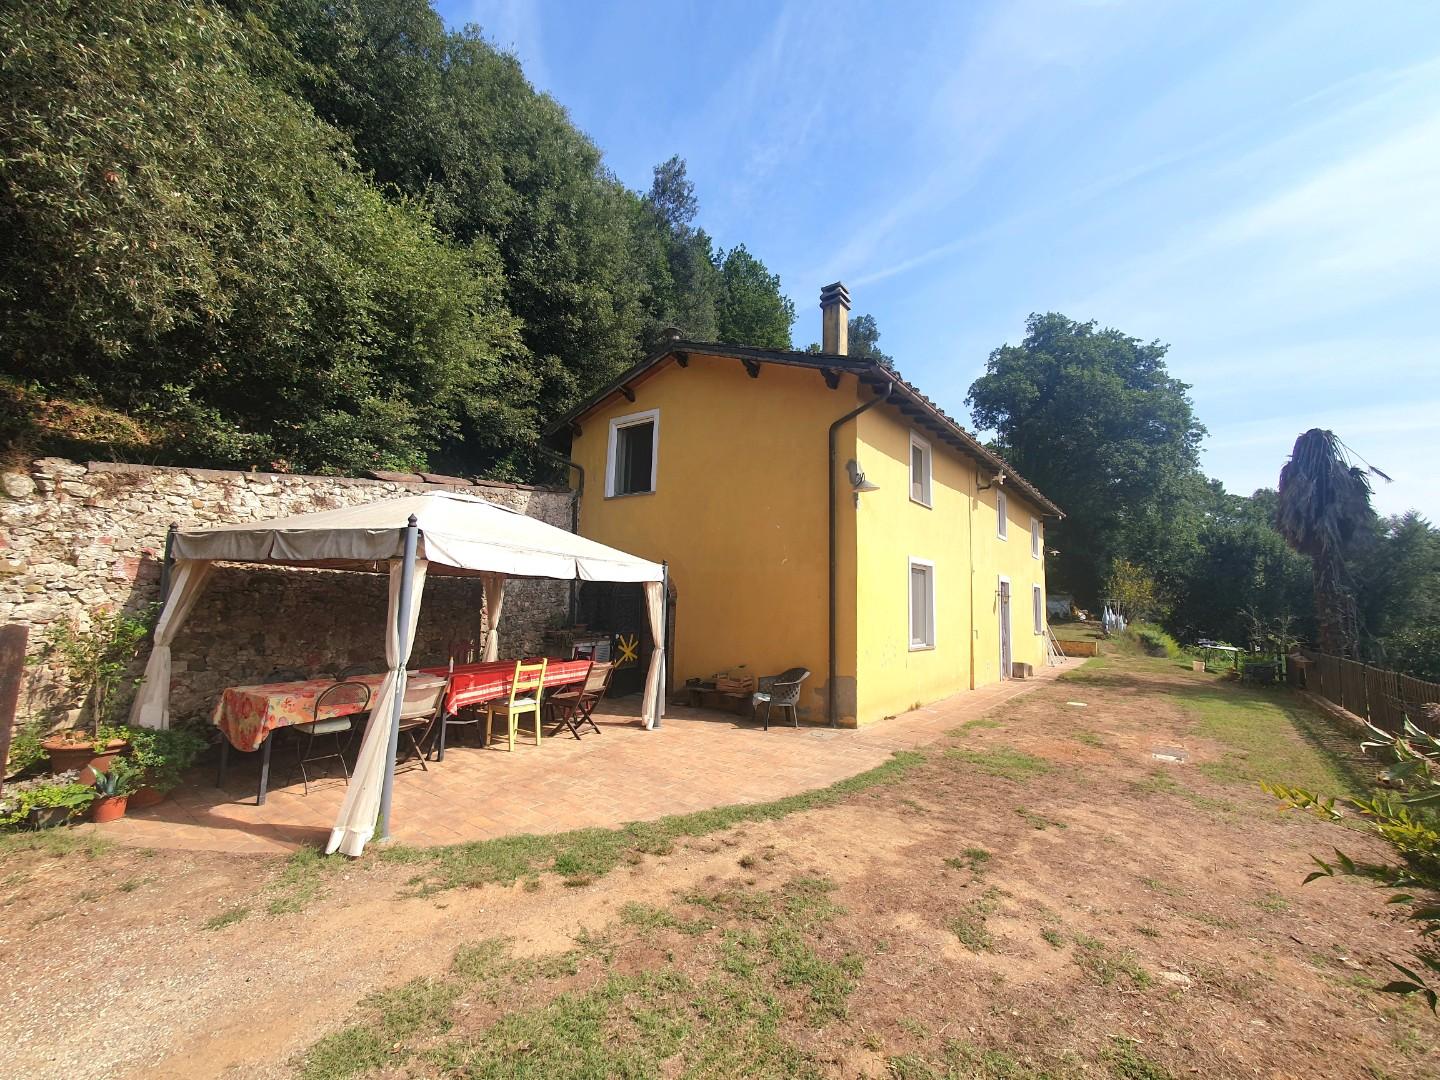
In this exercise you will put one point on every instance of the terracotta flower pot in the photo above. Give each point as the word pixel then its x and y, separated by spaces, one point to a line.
pixel 146 797
pixel 109 808
pixel 65 756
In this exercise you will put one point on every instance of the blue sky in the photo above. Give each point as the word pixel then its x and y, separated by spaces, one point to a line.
pixel 1256 184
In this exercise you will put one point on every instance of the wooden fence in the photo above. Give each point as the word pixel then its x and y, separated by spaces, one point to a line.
pixel 1380 696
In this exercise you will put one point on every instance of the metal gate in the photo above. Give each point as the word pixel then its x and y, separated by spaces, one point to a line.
pixel 617 609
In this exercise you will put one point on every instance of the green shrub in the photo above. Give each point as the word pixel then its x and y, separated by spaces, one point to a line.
pixel 164 755
pixel 1155 641
pixel 1405 817
pixel 25 749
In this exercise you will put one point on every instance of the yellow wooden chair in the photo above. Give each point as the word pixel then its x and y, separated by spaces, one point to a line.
pixel 525 693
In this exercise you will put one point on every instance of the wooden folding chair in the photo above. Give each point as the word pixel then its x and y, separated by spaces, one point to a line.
pixel 574 706
pixel 424 697
pixel 526 690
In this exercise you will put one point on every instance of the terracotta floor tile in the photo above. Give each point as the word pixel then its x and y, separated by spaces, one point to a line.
pixel 695 761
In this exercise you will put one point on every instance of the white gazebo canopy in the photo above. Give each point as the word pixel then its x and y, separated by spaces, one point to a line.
pixel 408 538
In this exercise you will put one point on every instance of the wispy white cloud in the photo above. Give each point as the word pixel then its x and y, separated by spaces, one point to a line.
pixel 1342 213
pixel 1015 63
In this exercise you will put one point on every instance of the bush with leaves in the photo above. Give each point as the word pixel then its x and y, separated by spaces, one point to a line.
pixel 95 660
pixel 61 791
pixel 1406 819
pixel 1131 589
pixel 1155 641
pixel 164 755
pixel 26 750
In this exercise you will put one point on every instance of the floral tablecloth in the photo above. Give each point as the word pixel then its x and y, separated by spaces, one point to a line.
pixel 472 684
pixel 248 714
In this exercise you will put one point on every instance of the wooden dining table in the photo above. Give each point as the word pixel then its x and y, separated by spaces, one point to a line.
pixel 490 680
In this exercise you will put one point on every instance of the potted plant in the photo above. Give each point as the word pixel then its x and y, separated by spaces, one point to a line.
pixel 94 661
pixel 162 757
pixel 113 789
pixel 44 802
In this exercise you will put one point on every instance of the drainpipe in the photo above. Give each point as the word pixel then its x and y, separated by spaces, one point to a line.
pixel 970 540
pixel 561 459
pixel 834 569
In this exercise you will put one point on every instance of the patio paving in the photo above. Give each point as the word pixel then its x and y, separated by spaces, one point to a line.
pixel 697 760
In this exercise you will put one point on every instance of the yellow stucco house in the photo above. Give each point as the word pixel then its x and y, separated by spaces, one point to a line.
pixel 818 511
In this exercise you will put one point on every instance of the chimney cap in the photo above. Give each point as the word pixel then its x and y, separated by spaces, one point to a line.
pixel 835 293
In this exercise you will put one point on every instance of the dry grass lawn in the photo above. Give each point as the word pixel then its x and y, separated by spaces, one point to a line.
pixel 1038 895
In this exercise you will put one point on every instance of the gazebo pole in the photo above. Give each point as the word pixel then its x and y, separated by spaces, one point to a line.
pixel 407 588
pixel 167 564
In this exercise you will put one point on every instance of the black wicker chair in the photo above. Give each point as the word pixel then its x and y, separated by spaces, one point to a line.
pixel 780 692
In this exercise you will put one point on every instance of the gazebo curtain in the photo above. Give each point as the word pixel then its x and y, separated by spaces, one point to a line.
pixel 356 823
pixel 151 707
pixel 494 604
pixel 653 706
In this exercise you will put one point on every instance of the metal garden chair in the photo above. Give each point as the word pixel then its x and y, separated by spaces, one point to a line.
pixel 355 699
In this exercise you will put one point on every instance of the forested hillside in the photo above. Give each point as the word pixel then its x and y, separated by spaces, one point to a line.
pixel 321 236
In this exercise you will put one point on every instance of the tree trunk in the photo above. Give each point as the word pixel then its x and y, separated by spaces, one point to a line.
pixel 1335 614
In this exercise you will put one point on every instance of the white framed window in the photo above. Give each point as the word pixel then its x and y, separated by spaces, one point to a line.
pixel 1002 516
pixel 1037 539
pixel 633 454
pixel 922 604
pixel 1037 604
pixel 920 468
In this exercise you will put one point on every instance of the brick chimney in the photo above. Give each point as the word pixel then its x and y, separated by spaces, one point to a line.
pixel 835 319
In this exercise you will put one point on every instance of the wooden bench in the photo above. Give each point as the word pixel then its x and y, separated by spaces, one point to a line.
pixel 706 696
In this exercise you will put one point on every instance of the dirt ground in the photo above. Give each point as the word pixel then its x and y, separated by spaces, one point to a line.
pixel 1088 882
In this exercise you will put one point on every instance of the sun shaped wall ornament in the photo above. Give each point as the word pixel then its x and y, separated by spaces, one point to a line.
pixel 629 646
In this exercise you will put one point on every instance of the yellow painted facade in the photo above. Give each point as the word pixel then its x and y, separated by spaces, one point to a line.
pixel 740 512
pixel 957 535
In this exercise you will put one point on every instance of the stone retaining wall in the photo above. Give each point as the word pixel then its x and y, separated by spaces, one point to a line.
pixel 80 538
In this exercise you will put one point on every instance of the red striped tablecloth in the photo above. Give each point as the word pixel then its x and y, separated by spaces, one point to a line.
pixel 472 684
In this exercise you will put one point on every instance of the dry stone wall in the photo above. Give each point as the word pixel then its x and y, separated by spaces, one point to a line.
pixel 79 538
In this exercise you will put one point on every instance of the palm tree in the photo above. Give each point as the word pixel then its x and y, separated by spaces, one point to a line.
pixel 1323 500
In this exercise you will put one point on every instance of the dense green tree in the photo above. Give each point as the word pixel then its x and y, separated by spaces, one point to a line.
pixel 1395 565
pixel 864 339
pixel 1095 420
pixel 1243 569
pixel 325 234
pixel 863 336
pixel 187 242
pixel 753 310
pixel 685 285
pixel 1324 502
